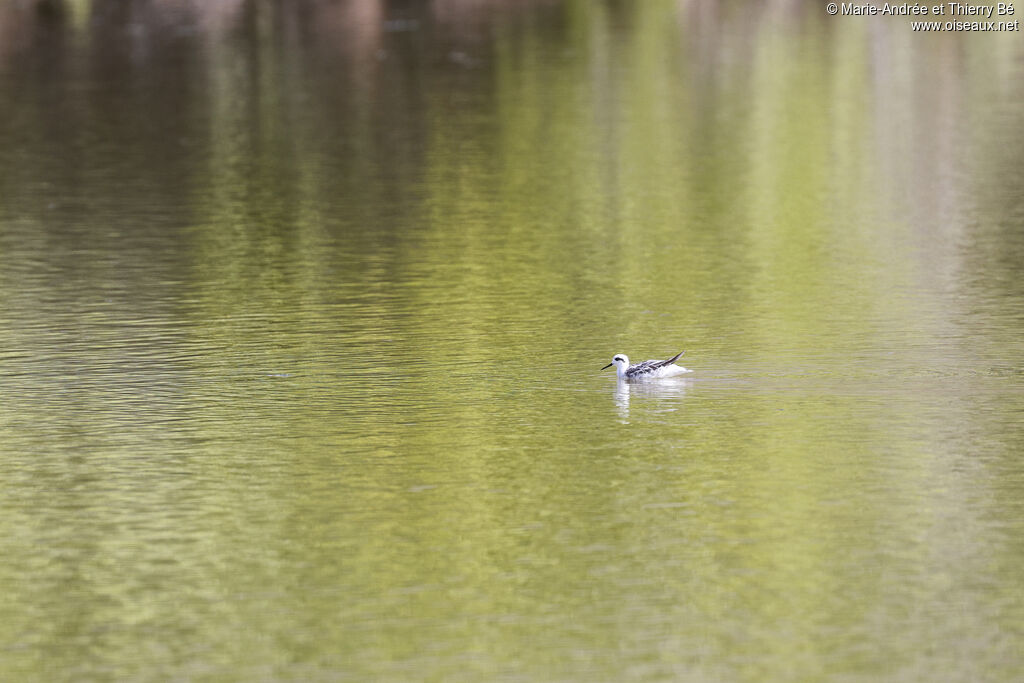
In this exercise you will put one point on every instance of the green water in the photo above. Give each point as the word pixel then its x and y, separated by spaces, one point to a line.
pixel 303 305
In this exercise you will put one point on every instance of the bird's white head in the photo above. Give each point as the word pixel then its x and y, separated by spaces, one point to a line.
pixel 621 363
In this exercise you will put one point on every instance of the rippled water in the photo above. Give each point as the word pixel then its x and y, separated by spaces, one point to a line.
pixel 302 310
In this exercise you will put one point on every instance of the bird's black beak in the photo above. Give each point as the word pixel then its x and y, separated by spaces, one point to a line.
pixel 608 366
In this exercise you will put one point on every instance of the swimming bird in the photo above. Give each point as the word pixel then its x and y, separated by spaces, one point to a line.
pixel 648 369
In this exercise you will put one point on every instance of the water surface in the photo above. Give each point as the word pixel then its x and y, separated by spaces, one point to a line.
pixel 302 308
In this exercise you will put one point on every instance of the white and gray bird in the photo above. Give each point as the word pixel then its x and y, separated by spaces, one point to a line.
pixel 648 369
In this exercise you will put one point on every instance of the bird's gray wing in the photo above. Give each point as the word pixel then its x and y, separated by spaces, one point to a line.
pixel 655 364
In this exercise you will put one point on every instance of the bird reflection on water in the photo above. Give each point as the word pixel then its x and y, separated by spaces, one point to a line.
pixel 659 396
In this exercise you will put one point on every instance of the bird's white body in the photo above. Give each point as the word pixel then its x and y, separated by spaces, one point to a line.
pixel 648 369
